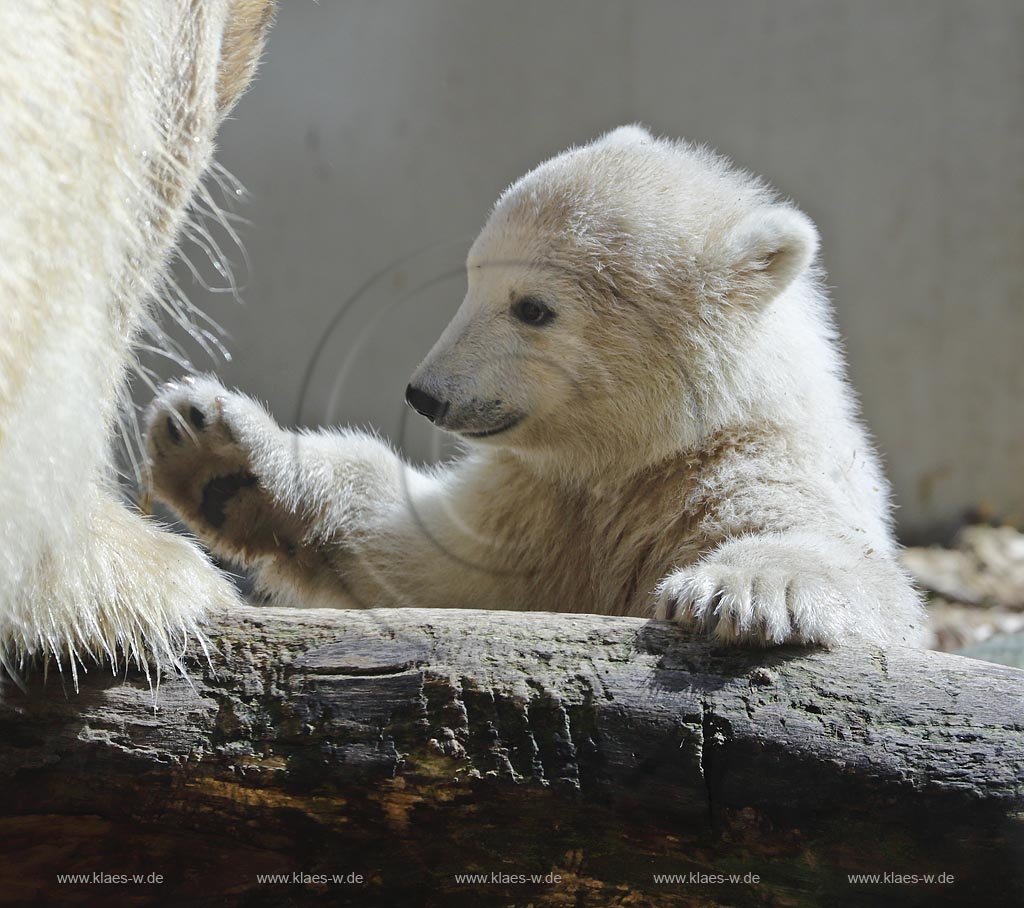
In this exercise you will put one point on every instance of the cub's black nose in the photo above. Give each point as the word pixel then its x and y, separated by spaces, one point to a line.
pixel 425 404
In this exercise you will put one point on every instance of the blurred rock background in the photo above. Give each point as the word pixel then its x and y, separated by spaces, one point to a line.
pixel 975 592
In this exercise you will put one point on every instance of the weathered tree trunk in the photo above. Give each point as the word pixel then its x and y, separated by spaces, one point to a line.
pixel 411 746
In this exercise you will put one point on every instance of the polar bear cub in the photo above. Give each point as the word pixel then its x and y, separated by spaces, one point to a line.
pixel 646 377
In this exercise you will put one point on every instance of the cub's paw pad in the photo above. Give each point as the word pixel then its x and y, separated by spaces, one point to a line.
pixel 196 418
pixel 196 462
pixel 187 412
pixel 219 492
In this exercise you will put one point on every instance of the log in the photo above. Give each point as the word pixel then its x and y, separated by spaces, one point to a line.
pixel 375 757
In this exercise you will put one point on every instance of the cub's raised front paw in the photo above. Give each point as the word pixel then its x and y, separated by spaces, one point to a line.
pixel 200 440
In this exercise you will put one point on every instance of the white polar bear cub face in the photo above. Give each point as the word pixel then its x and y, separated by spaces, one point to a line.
pixel 614 301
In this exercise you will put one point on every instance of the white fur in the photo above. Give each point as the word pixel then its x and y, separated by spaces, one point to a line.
pixel 107 112
pixel 683 440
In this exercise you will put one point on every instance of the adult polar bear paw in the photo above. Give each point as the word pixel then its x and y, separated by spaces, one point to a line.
pixel 769 590
pixel 137 594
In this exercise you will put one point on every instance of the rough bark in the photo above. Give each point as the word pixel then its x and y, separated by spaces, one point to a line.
pixel 410 746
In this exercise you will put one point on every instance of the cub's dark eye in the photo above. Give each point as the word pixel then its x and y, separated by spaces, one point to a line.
pixel 531 311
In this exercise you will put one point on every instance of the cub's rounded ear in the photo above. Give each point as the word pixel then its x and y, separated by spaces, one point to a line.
pixel 769 249
pixel 633 134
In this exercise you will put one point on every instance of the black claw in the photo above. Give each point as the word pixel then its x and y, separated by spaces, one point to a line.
pixel 197 417
pixel 172 429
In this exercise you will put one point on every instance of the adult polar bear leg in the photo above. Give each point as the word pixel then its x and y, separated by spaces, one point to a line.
pixel 108 111
pixel 124 590
pixel 325 518
pixel 792 586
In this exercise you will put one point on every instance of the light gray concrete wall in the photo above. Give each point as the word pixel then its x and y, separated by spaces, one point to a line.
pixel 382 128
